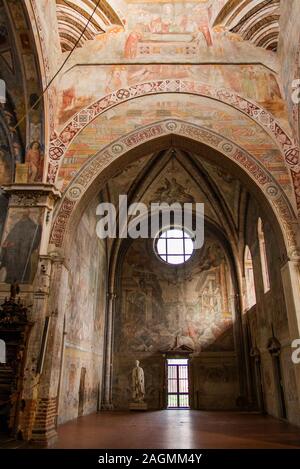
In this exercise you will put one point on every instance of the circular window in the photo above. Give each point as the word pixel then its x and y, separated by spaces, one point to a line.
pixel 174 246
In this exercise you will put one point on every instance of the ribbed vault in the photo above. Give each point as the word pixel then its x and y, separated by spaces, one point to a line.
pixel 254 20
pixel 73 17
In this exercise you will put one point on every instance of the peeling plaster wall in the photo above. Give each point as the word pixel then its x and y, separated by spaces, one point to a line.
pixel 85 313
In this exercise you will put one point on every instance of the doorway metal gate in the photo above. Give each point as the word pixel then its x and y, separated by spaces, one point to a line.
pixel 178 384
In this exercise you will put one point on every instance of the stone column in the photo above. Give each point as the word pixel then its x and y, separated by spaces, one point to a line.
pixel 44 431
pixel 107 376
pixel 28 227
pixel 240 348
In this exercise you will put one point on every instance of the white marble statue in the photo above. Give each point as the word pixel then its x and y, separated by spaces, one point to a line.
pixel 138 383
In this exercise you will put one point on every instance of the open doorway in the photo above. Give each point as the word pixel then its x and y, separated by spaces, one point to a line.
pixel 178 383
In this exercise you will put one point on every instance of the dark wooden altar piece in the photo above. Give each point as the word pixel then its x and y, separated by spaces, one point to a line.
pixel 14 331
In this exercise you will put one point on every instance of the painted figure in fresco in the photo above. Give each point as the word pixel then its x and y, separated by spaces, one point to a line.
pixel 131 45
pixel 68 98
pixel 116 79
pixel 18 255
pixel 138 383
pixel 203 15
pixel 36 161
pixel 172 192
pixel 10 122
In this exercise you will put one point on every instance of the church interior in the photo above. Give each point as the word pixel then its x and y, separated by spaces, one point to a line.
pixel 164 102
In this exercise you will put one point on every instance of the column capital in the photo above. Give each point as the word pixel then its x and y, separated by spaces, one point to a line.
pixel 32 195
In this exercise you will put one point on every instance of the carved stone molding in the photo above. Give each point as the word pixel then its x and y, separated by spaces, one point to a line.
pixel 100 166
pixel 60 142
pixel 39 195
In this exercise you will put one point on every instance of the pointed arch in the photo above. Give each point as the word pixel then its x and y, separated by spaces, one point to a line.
pixel 160 135
pixel 60 142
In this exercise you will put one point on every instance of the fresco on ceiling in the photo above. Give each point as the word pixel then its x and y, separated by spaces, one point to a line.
pixel 252 81
pixel 174 184
pixel 117 122
pixel 231 188
pixel 172 31
pixel 163 307
pixel 122 181
pixel 20 246
pixel 168 29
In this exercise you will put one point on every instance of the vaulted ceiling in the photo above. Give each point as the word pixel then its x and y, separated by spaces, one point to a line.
pixel 73 21
pixel 254 20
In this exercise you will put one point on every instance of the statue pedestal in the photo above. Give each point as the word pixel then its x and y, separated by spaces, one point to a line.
pixel 138 406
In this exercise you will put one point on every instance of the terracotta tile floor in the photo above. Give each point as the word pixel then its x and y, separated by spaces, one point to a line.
pixel 172 429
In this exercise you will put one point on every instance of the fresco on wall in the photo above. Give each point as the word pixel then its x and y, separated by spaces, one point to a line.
pixel 86 283
pixel 289 55
pixel 163 307
pixel 85 294
pixel 255 82
pixel 5 175
pixel 126 117
pixel 20 246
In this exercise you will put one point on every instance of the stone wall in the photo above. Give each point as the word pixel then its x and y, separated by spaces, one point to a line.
pixel 269 317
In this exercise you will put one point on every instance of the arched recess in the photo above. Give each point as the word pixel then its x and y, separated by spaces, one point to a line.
pixel 182 135
pixel 157 137
pixel 60 142
pixel 117 372
pixel 162 136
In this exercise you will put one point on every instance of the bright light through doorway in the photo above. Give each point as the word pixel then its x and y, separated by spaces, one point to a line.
pixel 178 384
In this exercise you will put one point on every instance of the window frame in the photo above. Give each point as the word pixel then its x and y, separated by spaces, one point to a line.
pixel 263 256
pixel 163 256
